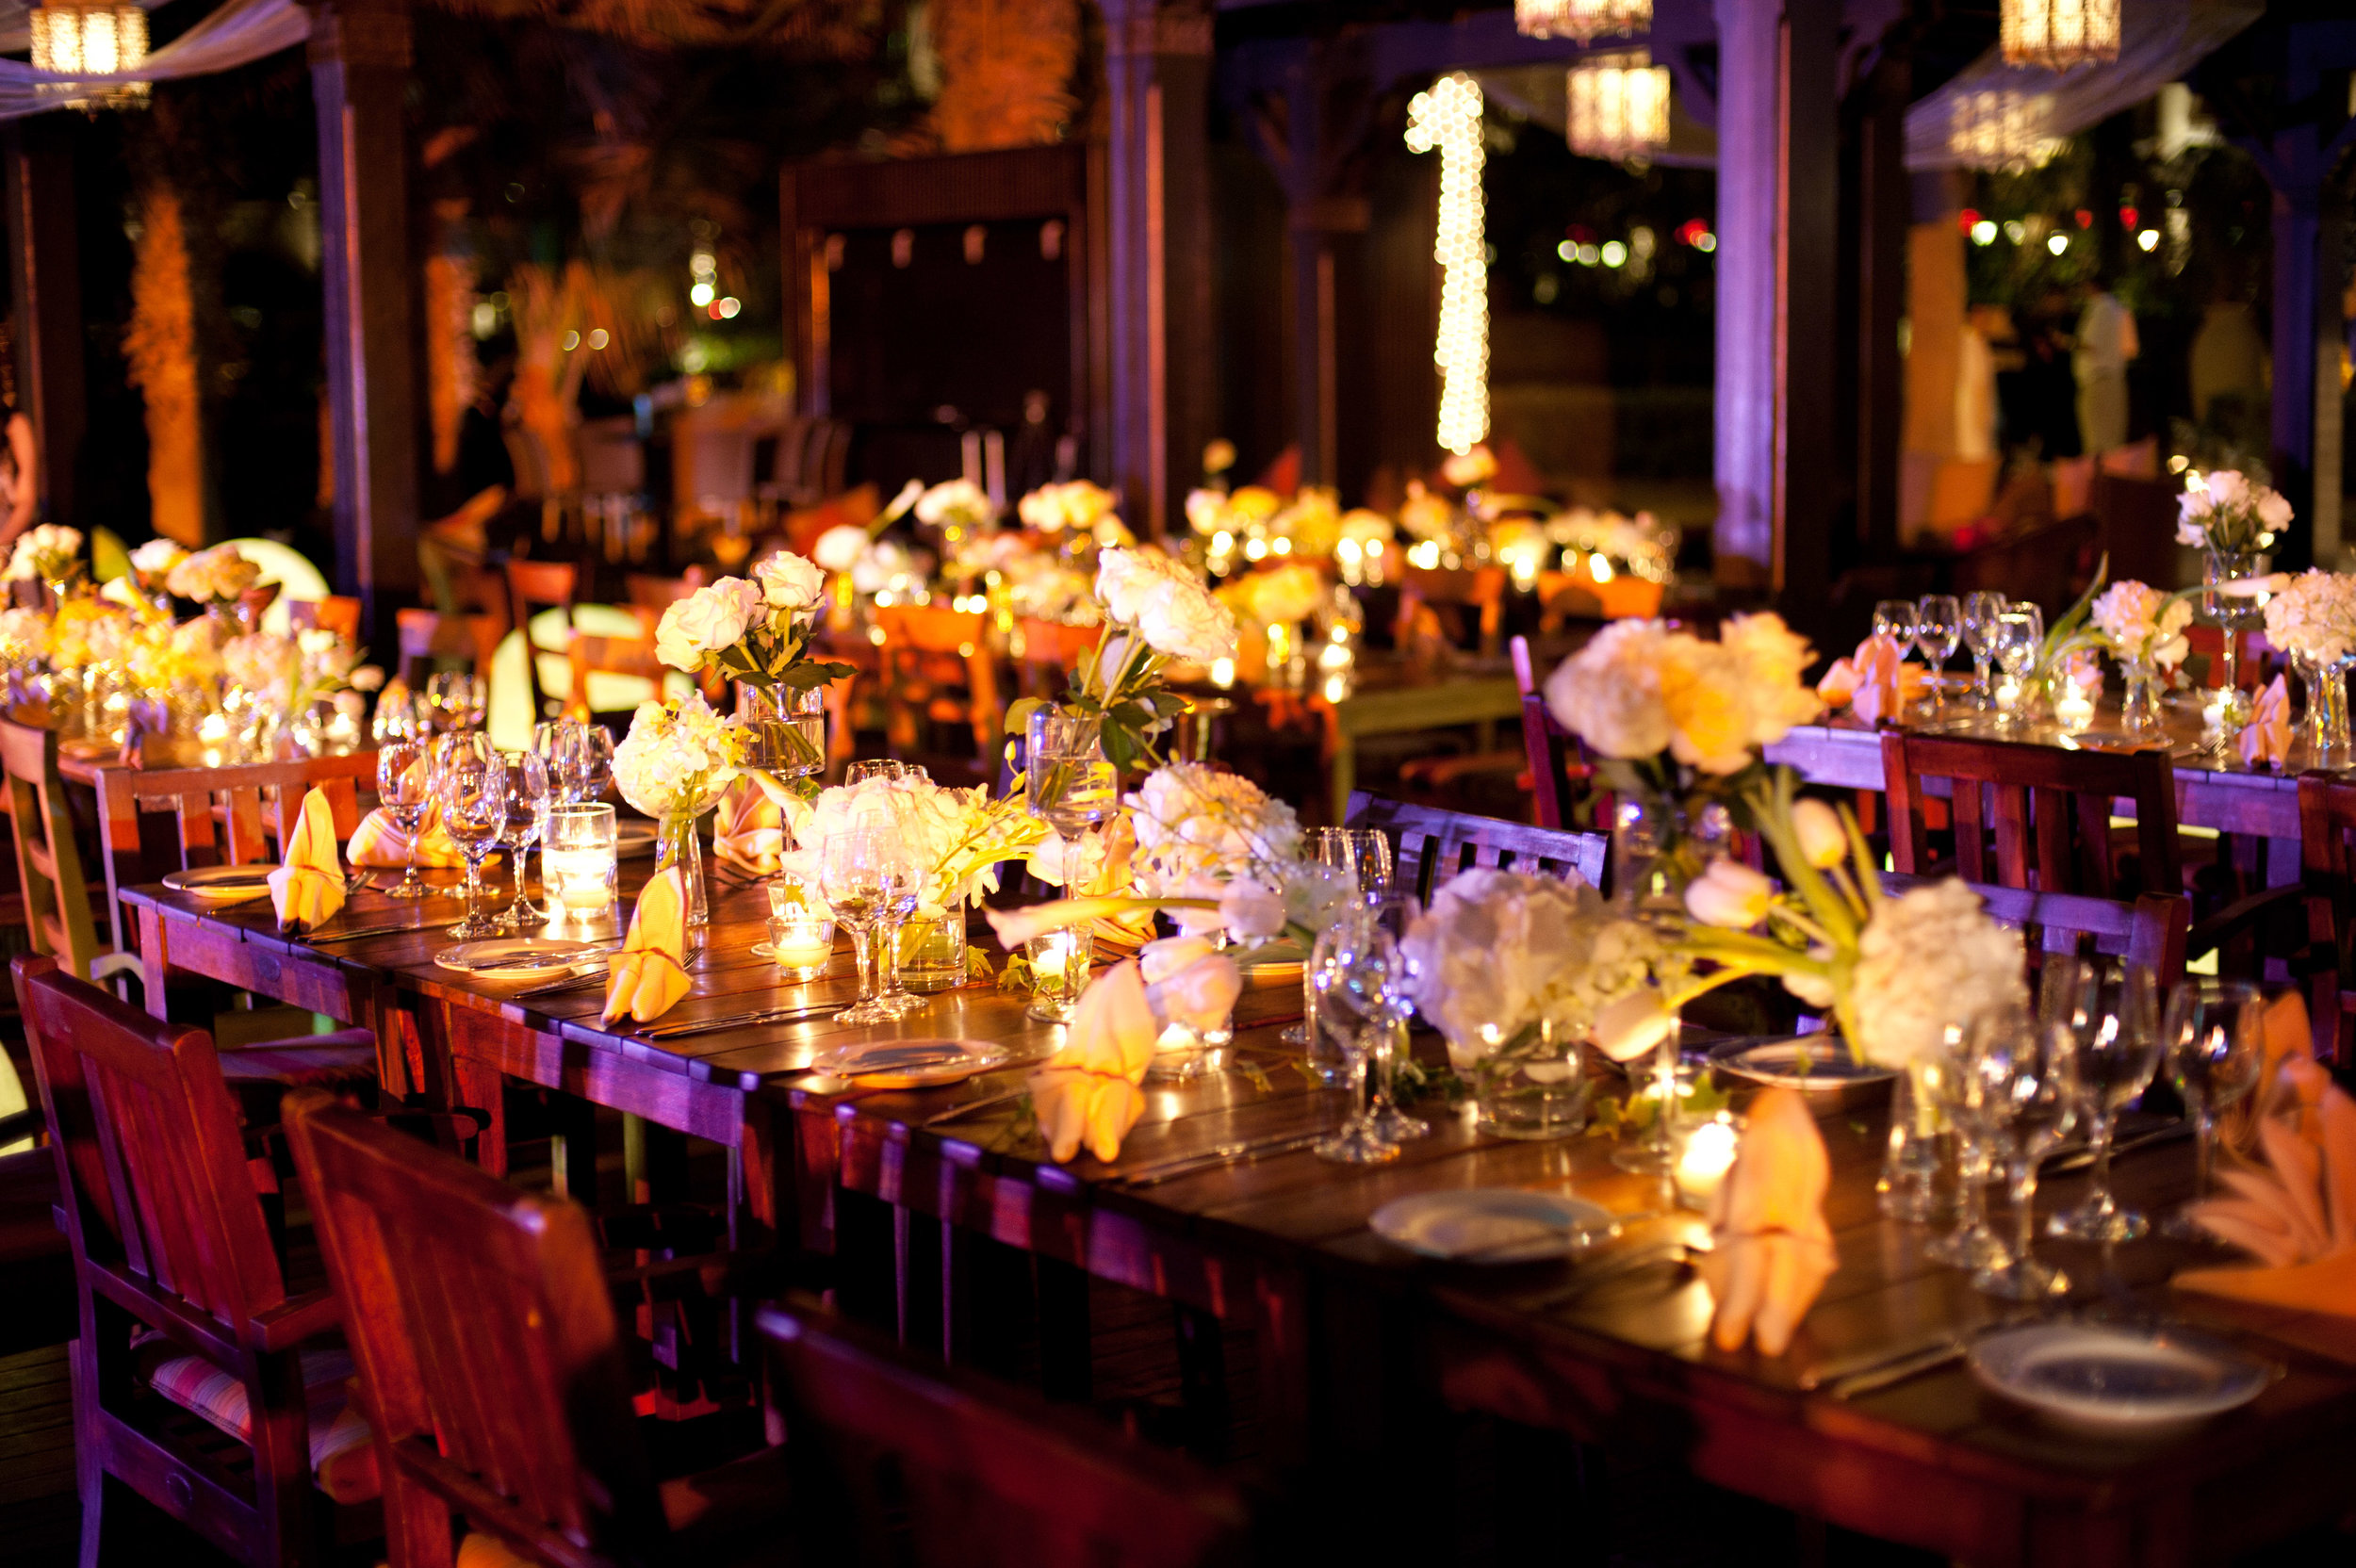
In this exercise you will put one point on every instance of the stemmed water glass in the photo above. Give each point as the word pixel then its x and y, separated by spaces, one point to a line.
pixel 1965 1079
pixel 2115 1020
pixel 1894 619
pixel 872 767
pixel 902 883
pixel 458 699
pixel 1364 853
pixel 1938 629
pixel 2026 1067
pixel 2015 639
pixel 405 787
pixel 588 765
pixel 1352 966
pixel 526 781
pixel 854 877
pixel 1981 612
pixel 471 786
pixel 1072 787
pixel 2213 1043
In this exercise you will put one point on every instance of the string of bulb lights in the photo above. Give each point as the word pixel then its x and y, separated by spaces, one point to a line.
pixel 1446 117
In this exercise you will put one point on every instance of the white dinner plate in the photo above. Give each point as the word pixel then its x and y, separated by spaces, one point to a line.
pixel 514 958
pixel 1828 1064
pixel 222 884
pixel 2116 1379
pixel 633 838
pixel 1490 1224
pixel 911 1064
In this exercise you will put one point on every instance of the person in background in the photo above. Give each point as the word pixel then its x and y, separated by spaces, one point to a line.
pixel 2105 342
pixel 20 473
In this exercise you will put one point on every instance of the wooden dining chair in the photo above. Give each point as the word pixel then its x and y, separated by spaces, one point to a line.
pixel 939 670
pixel 2033 816
pixel 153 821
pixel 1451 594
pixel 633 655
pixel 2149 931
pixel 2257 662
pixel 1044 653
pixel 2327 843
pixel 946 1471
pixel 659 594
pixel 430 639
pixel 491 1365
pixel 336 613
pixel 534 587
pixel 1559 773
pixel 198 1381
pixel 1429 846
pixel 58 921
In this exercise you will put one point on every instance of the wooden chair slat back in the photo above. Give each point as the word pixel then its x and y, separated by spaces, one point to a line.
pixel 633 655
pixel 152 1165
pixel 2151 930
pixel 1449 593
pixel 337 613
pixel 659 594
pixel 2327 838
pixel 2032 816
pixel 533 585
pixel 1559 773
pixel 484 1340
pixel 937 666
pixel 48 858
pixel 975 1477
pixel 1429 846
pixel 428 637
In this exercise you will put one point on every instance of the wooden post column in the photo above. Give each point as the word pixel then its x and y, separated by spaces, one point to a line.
pixel 1157 64
pixel 48 298
pixel 359 67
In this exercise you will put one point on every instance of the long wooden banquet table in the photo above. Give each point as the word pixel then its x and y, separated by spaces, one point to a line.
pixel 1357 1343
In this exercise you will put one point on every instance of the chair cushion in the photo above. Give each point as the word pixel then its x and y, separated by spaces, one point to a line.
pixel 343 1457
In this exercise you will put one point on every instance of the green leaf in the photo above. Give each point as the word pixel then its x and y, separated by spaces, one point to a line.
pixel 1019 714
pixel 109 560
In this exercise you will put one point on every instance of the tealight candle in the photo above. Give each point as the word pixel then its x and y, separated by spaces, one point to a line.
pixel 1059 966
pixel 1703 1163
pixel 801 936
pixel 579 864
pixel 2072 709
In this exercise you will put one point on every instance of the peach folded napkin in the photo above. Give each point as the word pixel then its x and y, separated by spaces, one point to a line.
pixel 1089 1090
pixel 649 975
pixel 1875 682
pixel 1772 1250
pixel 2296 1213
pixel 309 887
pixel 751 826
pixel 379 841
pixel 2266 738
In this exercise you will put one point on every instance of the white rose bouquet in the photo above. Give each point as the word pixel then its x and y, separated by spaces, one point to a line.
pixel 960 837
pixel 2229 513
pixel 1078 506
pixel 1158 610
pixel 958 505
pixel 2143 626
pixel 262 663
pixel 215 575
pixel 678 757
pixel 756 630
pixel 1498 953
pixel 49 553
pixel 2313 614
pixel 153 560
pixel 24 634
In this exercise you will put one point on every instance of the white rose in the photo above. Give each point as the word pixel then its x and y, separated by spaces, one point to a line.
pixel 790 583
pixel 1608 693
pixel 1125 578
pixel 1252 910
pixel 2273 509
pixel 2227 488
pixel 1729 895
pixel 705 622
pixel 157 556
pixel 838 548
pixel 1184 621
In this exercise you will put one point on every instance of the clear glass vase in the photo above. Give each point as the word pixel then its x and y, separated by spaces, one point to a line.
pixel 788 728
pixel 678 843
pixel 932 950
pixel 1659 846
pixel 1533 1087
pixel 1908 1187
pixel 2330 744
pixel 2140 712
pixel 2233 614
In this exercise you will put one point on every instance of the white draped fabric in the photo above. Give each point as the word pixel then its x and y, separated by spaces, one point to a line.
pixel 2159 41
pixel 240 31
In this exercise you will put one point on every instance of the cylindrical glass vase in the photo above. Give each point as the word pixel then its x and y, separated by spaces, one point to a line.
pixel 677 843
pixel 786 727
pixel 1532 1085
pixel 932 950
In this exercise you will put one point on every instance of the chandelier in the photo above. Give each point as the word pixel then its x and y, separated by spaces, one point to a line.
pixel 1447 118
pixel 2060 34
pixel 2003 131
pixel 74 40
pixel 1582 19
pixel 1619 106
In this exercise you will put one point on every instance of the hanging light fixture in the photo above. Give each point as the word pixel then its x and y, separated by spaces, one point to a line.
pixel 1582 19
pixel 2003 131
pixel 92 41
pixel 2060 35
pixel 1447 116
pixel 1619 106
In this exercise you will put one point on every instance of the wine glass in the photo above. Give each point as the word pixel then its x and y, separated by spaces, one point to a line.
pixel 865 769
pixel 853 879
pixel 1980 613
pixel 472 789
pixel 1959 1079
pixel 2026 1065
pixel 405 787
pixel 2213 1043
pixel 2114 1019
pixel 1347 965
pixel 1071 786
pixel 2018 635
pixel 526 778
pixel 1895 619
pixel 1393 918
pixel 1938 629
pixel 901 882
pixel 588 768
pixel 1364 853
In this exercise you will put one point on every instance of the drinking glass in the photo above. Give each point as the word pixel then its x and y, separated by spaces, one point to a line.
pixel 1071 786
pixel 1895 619
pixel 853 880
pixel 579 861
pixel 527 786
pixel 2026 1065
pixel 402 715
pixel 2018 635
pixel 1347 965
pixel 860 772
pixel 1980 613
pixel 801 936
pixel 902 882
pixel 473 794
pixel 1965 1082
pixel 588 767
pixel 2114 1019
pixel 1392 919
pixel 1937 630
pixel 2213 1043
pixel 405 787
pixel 1364 853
